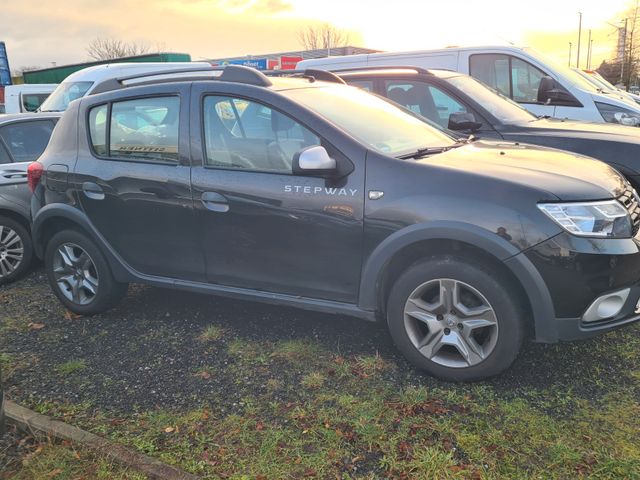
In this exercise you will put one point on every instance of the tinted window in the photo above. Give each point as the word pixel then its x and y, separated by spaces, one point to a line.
pixel 4 155
pixel 27 140
pixel 426 100
pixel 363 84
pixel 31 101
pixel 251 136
pixel 142 129
pixel 492 70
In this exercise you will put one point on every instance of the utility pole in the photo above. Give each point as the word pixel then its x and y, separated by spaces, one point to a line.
pixel 569 63
pixel 589 51
pixel 579 35
pixel 624 53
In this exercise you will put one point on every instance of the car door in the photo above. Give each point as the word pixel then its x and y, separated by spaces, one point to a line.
pixel 21 142
pixel 264 228
pixel 133 180
pixel 513 77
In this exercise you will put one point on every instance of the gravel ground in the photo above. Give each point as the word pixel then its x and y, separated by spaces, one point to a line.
pixel 146 352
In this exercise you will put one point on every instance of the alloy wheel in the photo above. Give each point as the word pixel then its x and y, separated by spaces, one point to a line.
pixel 451 323
pixel 11 251
pixel 75 273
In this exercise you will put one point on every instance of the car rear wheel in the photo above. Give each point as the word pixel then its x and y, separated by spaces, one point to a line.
pixel 455 318
pixel 79 274
pixel 16 251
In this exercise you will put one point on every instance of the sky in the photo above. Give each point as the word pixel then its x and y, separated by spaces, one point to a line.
pixel 40 32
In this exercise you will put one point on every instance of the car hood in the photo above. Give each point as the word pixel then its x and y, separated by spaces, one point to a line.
pixel 564 175
pixel 574 129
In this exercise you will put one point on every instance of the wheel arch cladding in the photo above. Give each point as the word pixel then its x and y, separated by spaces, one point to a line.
pixel 409 244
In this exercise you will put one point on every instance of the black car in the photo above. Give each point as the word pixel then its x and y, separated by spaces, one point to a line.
pixel 461 103
pixel 23 137
pixel 318 195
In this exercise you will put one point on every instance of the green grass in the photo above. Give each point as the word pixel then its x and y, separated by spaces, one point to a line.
pixel 72 366
pixel 339 417
pixel 211 333
pixel 304 408
pixel 63 461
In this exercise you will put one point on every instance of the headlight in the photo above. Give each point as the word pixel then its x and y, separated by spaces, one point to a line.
pixel 591 219
pixel 613 114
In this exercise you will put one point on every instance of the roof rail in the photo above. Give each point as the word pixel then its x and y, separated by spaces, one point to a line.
pixel 383 67
pixel 242 74
pixel 230 73
pixel 310 73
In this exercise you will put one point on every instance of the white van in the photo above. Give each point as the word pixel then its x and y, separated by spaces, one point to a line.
pixel 27 97
pixel 539 85
pixel 82 83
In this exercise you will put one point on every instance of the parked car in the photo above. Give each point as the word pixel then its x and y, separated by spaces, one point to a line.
pixel 23 137
pixel 318 195
pixel 603 83
pixel 84 81
pixel 539 85
pixel 26 98
pixel 461 103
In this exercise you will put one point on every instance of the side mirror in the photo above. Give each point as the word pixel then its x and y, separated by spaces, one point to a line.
pixel 463 121
pixel 552 93
pixel 314 161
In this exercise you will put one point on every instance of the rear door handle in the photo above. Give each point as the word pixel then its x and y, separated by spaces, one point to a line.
pixel 14 173
pixel 93 191
pixel 215 202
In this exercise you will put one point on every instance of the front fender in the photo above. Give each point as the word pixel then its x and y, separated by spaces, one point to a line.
pixel 519 265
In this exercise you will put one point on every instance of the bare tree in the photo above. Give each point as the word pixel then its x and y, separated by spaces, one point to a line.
pixel 110 48
pixel 323 36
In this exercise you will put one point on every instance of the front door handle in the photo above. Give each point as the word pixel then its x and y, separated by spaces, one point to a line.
pixel 93 191
pixel 215 202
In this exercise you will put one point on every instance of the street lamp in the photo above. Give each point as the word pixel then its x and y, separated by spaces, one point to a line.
pixel 579 35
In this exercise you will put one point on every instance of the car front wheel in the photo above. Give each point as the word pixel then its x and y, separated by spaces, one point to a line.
pixel 455 318
pixel 79 274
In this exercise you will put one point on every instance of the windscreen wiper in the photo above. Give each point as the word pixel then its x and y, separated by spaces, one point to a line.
pixel 423 152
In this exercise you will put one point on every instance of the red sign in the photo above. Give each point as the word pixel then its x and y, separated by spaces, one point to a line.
pixel 273 64
pixel 1 94
pixel 289 63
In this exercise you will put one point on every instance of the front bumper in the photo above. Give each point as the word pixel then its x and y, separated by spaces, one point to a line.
pixel 578 271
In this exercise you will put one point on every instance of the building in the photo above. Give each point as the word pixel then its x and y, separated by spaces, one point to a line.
pixel 58 74
pixel 287 60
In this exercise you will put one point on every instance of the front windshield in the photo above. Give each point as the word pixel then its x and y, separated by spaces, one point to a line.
pixel 63 95
pixel 594 81
pixel 501 107
pixel 377 123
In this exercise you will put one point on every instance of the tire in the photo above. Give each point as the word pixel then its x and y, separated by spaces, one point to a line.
pixel 73 259
pixel 15 241
pixel 432 328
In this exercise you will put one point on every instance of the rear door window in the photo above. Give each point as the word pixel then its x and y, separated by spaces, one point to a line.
pixel 140 129
pixel 27 140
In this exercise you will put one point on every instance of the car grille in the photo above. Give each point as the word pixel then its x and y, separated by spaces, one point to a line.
pixel 630 200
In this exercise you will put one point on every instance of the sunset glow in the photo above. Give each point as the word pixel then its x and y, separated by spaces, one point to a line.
pixel 39 33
